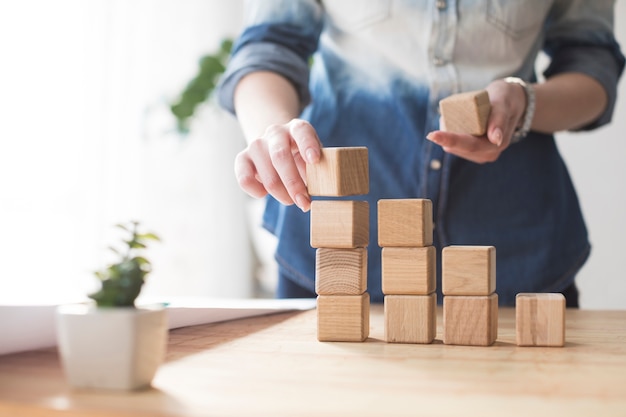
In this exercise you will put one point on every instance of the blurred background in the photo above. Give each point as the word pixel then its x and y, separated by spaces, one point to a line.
pixel 87 140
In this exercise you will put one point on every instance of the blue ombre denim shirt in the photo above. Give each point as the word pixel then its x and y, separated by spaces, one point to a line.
pixel 380 68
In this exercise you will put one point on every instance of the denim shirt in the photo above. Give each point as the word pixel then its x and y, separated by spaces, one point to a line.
pixel 380 68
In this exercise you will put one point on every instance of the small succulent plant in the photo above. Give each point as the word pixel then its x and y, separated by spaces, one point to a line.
pixel 121 282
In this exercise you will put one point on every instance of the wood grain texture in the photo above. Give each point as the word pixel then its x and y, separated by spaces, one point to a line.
pixel 405 222
pixel 466 113
pixel 470 320
pixel 339 224
pixel 540 319
pixel 409 270
pixel 343 318
pixel 468 270
pixel 341 171
pixel 410 318
pixel 340 271
pixel 272 366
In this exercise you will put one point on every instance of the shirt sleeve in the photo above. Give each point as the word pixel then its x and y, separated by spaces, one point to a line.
pixel 579 38
pixel 279 36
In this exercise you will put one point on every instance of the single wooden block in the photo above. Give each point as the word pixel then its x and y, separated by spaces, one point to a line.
pixel 343 318
pixel 409 270
pixel 410 318
pixel 468 270
pixel 339 172
pixel 339 224
pixel 540 319
pixel 340 271
pixel 466 113
pixel 405 222
pixel 470 320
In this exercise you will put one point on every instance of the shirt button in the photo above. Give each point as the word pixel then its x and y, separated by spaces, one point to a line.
pixel 435 164
pixel 441 4
pixel 438 61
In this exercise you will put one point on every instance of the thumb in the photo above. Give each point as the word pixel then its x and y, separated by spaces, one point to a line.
pixel 496 126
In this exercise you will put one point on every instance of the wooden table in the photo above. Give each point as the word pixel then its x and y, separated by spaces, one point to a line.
pixel 274 366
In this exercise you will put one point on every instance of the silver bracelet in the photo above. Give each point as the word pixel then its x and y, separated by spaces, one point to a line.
pixel 521 132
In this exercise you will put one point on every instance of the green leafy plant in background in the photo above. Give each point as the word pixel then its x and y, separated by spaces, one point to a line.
pixel 121 282
pixel 198 90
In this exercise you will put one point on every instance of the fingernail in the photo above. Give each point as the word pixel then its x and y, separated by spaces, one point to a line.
pixel 302 202
pixel 312 156
pixel 497 136
pixel 430 137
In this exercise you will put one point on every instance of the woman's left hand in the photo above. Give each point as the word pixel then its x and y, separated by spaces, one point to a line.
pixel 508 103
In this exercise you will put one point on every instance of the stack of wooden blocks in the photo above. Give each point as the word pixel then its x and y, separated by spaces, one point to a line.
pixel 405 233
pixel 470 304
pixel 340 232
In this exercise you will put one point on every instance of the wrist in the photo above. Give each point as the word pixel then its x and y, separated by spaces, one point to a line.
pixel 526 119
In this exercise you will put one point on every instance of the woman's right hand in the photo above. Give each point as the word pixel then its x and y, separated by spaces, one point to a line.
pixel 275 163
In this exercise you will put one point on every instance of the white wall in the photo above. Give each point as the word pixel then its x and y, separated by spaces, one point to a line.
pixel 597 161
pixel 86 141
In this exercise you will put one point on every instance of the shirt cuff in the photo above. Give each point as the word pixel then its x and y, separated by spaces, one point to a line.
pixel 264 56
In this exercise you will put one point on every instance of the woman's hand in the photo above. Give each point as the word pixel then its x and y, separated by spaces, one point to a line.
pixel 275 163
pixel 508 103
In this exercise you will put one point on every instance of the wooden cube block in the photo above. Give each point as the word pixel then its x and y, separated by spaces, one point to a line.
pixel 405 222
pixel 468 270
pixel 410 318
pixel 466 113
pixel 339 172
pixel 339 224
pixel 343 318
pixel 409 270
pixel 341 271
pixel 470 320
pixel 540 319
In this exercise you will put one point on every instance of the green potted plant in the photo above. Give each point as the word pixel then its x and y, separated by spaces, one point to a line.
pixel 110 343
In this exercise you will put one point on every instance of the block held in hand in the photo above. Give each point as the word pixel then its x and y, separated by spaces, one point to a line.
pixel 341 171
pixel 466 113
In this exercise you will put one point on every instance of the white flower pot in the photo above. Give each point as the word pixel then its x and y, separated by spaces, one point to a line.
pixel 111 348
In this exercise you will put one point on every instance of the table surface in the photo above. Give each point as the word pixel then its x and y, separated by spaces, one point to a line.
pixel 274 366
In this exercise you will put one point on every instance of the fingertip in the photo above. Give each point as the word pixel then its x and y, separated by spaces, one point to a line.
pixel 312 155
pixel 434 137
pixel 303 202
pixel 305 136
pixel 496 137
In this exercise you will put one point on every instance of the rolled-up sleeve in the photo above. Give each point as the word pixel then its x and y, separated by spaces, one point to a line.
pixel 280 36
pixel 579 38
